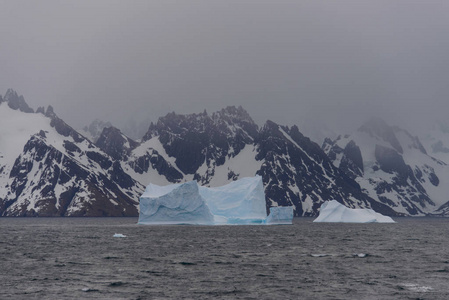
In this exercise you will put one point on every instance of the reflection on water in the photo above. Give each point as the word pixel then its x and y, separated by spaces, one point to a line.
pixel 67 258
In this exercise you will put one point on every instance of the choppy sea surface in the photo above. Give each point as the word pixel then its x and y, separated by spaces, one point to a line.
pixel 79 258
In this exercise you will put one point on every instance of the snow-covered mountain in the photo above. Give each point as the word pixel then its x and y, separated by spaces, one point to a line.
pixel 436 141
pixel 393 167
pixel 217 148
pixel 49 169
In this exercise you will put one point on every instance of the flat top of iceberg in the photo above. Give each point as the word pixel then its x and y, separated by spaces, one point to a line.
pixel 154 191
pixel 334 212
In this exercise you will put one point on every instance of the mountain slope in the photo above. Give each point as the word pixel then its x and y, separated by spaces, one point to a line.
pixel 392 167
pixel 48 169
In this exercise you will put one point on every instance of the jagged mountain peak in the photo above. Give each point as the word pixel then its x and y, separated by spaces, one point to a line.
pixel 62 127
pixel 269 125
pixel 378 128
pixel 178 123
pixel 195 139
pixel 40 110
pixel 234 113
pixel 50 112
pixel 115 143
pixel 272 129
pixel 227 118
pixel 16 102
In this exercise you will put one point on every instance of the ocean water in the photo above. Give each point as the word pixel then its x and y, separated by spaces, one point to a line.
pixel 79 258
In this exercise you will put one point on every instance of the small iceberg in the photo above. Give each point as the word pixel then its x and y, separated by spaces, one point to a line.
pixel 280 215
pixel 361 255
pixel 119 235
pixel 334 212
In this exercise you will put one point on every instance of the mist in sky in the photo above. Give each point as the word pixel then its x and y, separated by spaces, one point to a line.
pixel 310 63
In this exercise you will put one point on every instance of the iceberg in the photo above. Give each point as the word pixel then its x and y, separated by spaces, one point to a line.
pixel 280 215
pixel 239 202
pixel 174 204
pixel 119 235
pixel 334 212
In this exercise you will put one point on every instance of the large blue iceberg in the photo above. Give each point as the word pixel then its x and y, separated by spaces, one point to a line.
pixel 174 204
pixel 239 202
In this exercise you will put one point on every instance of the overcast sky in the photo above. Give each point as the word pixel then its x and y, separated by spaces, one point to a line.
pixel 294 62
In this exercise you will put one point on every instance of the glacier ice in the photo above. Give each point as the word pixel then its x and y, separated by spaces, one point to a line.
pixel 334 212
pixel 280 215
pixel 239 202
pixel 174 204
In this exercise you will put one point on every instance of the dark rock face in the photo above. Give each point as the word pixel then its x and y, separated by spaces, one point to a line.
pixel 114 143
pixel 390 160
pixel 351 161
pixel 187 139
pixel 152 160
pixel 197 139
pixel 353 157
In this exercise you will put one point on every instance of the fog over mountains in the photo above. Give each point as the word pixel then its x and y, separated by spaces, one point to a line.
pixel 330 64
pixel 49 169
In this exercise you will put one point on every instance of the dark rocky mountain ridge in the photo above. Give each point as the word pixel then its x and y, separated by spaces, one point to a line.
pixel 294 169
pixel 59 172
